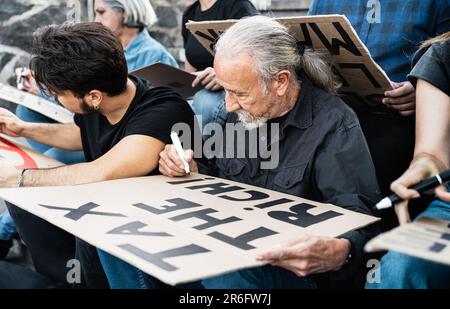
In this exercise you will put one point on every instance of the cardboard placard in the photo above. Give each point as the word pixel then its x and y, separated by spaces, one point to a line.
pixel 161 74
pixel 35 103
pixel 426 238
pixel 21 156
pixel 361 76
pixel 186 229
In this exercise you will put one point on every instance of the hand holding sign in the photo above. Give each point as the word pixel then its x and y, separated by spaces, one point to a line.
pixel 207 78
pixel 309 255
pixel 402 98
pixel 10 124
pixel 171 165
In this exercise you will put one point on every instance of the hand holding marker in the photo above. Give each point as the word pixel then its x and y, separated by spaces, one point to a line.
pixel 179 149
pixel 421 187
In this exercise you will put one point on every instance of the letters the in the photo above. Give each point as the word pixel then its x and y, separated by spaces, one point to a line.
pixel 242 241
pixel 158 259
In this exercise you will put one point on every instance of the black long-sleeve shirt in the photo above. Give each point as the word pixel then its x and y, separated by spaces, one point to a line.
pixel 323 156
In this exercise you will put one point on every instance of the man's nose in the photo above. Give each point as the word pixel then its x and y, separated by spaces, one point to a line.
pixel 231 103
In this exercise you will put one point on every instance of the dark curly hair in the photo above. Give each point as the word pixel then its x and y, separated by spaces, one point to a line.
pixel 78 57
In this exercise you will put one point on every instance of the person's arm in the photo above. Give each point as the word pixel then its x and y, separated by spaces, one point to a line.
pixel 133 156
pixel 63 136
pixel 432 151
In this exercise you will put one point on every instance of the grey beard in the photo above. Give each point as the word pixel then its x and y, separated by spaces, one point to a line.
pixel 249 121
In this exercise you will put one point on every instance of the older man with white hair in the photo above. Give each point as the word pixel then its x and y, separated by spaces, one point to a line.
pixel 323 155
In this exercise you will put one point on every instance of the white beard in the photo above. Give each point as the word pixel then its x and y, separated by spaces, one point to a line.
pixel 249 121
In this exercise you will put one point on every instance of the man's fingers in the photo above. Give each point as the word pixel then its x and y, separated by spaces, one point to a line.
pixel 394 102
pixel 401 104
pixel 402 90
pixel 212 85
pixel 279 254
pixel 166 171
pixel 401 209
pixel 189 155
pixel 402 190
pixel 408 113
pixel 442 193
pixel 201 76
pixel 291 250
pixel 171 162
pixel 209 80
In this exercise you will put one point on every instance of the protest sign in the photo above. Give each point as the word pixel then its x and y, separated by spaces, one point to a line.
pixel 35 103
pixel 426 238
pixel 161 74
pixel 183 230
pixel 21 156
pixel 363 80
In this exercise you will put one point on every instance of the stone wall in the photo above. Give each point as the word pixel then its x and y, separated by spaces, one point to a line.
pixel 20 18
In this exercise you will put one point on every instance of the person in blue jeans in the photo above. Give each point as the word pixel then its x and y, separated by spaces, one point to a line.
pixel 209 103
pixel 129 20
pixel 305 109
pixel 392 30
pixel 431 75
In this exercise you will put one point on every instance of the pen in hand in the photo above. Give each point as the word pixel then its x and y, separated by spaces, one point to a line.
pixel 179 149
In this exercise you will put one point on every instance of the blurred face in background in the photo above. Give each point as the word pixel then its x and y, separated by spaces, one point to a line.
pixel 109 17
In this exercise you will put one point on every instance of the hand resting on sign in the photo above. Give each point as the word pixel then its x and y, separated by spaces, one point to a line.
pixel 171 165
pixel 309 255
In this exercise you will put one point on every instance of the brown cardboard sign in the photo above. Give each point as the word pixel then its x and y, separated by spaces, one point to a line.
pixel 361 76
pixel 161 74
pixel 35 103
pixel 186 229
pixel 21 156
pixel 427 239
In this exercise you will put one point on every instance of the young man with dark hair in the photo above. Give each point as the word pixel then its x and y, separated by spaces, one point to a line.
pixel 120 123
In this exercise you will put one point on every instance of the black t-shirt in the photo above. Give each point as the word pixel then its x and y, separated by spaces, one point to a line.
pixel 196 54
pixel 153 112
pixel 434 67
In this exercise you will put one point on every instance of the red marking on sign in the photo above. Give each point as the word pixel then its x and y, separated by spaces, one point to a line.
pixel 28 161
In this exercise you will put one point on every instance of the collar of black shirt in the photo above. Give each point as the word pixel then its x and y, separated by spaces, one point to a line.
pixel 301 115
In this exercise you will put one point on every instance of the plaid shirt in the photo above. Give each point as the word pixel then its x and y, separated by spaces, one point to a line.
pixel 404 24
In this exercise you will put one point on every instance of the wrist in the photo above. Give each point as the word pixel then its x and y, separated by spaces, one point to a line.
pixel 20 178
pixel 344 252
pixel 430 162
pixel 25 128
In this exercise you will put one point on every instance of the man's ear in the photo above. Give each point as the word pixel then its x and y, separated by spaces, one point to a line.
pixel 94 98
pixel 282 82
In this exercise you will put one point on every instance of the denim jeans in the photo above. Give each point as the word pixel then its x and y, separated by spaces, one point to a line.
pixel 7 226
pixel 400 271
pixel 122 275
pixel 209 106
